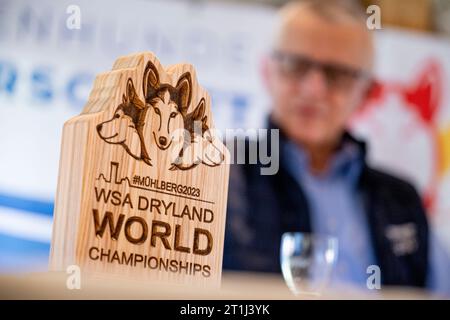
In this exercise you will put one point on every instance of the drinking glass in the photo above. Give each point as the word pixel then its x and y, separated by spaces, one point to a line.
pixel 307 261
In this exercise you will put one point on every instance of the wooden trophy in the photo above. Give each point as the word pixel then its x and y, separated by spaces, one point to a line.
pixel 143 179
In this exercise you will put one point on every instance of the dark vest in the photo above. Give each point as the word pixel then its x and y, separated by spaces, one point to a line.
pixel 261 208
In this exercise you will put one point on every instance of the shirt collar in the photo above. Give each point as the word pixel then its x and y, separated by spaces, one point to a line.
pixel 346 163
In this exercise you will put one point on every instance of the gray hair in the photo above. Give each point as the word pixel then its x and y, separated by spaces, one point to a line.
pixel 333 10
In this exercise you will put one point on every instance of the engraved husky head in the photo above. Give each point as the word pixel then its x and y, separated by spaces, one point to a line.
pixel 125 128
pixel 198 144
pixel 163 119
pixel 173 127
pixel 167 105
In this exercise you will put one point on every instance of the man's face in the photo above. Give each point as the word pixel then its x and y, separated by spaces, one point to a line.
pixel 317 76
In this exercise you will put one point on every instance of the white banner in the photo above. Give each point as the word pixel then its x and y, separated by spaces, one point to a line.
pixel 47 69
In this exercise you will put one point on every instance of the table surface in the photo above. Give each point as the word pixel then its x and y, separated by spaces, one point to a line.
pixel 237 286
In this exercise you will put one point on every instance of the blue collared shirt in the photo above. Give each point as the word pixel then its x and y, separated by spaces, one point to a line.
pixel 337 210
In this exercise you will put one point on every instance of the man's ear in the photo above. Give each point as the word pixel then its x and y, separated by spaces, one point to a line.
pixel 264 69
pixel 374 91
pixel 150 82
pixel 184 87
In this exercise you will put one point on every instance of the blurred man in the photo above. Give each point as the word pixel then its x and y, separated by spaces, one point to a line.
pixel 318 74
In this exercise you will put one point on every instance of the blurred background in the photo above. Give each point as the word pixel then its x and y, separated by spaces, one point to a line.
pixel 47 70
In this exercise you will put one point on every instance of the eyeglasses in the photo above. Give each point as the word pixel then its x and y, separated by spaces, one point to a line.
pixel 336 76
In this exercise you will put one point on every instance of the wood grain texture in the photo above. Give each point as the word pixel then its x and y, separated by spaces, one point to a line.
pixel 143 153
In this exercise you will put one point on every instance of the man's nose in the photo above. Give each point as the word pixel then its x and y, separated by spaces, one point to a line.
pixel 162 141
pixel 314 83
